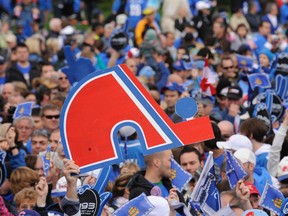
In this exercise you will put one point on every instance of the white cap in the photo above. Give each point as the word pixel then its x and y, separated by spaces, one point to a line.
pixel 245 155
pixel 121 19
pixel 94 173
pixel 282 172
pixel 200 5
pixel 68 30
pixel 236 142
pixel 127 131
pixel 161 206
pixel 61 187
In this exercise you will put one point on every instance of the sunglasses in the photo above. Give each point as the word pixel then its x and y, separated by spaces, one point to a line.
pixel 226 68
pixel 52 116
pixel 62 78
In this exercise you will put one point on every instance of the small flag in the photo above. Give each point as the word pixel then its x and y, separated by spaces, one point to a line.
pixel 138 206
pixel 208 79
pixel 23 109
pixel 259 80
pixel 205 192
pixel 244 61
pixel 195 208
pixel 272 199
pixel 234 171
pixel 46 160
pixel 180 178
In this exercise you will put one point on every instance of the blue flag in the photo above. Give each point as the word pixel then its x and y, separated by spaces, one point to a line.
pixel 180 178
pixel 23 109
pixel 234 171
pixel 138 206
pixel 272 199
pixel 259 80
pixel 46 160
pixel 195 208
pixel 205 192
pixel 244 61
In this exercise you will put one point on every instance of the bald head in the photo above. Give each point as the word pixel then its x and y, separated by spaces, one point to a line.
pixel 8 91
pixel 226 128
pixel 175 78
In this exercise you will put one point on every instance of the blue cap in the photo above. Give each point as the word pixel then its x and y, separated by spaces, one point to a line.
pixel 173 86
pixel 268 53
pixel 199 64
pixel 28 213
pixel 178 65
pixel 147 71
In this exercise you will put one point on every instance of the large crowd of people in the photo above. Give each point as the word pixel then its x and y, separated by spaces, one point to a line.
pixel 176 49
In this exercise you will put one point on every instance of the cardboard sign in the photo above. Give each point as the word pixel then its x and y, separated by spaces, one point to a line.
pixel 89 202
pixel 273 104
pixel 103 102
pixel 119 40
pixel 282 64
pixel 260 112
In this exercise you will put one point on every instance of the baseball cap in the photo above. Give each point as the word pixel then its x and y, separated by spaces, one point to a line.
pixel 245 155
pixel 234 93
pixel 282 172
pixel 252 188
pixel 254 212
pixel 161 206
pixel 200 5
pixel 2 59
pixel 127 131
pixel 224 92
pixel 173 86
pixel 61 187
pixel 148 11
pixel 178 66
pixel 235 142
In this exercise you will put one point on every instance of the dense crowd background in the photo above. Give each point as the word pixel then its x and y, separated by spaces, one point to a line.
pixel 168 46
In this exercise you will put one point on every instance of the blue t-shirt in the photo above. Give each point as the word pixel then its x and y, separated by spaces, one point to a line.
pixel 2 82
pixel 25 71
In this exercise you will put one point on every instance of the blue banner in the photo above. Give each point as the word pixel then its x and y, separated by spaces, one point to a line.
pixel 138 206
pixel 180 178
pixel 234 170
pixel 205 192
pixel 259 80
pixel 272 199
pixel 23 109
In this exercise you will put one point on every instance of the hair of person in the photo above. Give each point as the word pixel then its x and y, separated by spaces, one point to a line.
pixel 269 7
pixel 24 195
pixel 130 165
pixel 22 177
pixel 31 160
pixel 262 22
pixel 255 127
pixel 150 158
pixel 21 45
pixel 15 122
pixel 226 58
pixel 119 186
pixel 190 149
pixel 241 25
pixel 33 45
pixel 49 107
pixel 41 132
pixel 45 63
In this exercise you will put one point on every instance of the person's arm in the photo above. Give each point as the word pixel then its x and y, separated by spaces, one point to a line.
pixel 164 71
pixel 42 192
pixel 274 154
pixel 17 157
pixel 113 59
pixel 70 203
pixel 243 193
